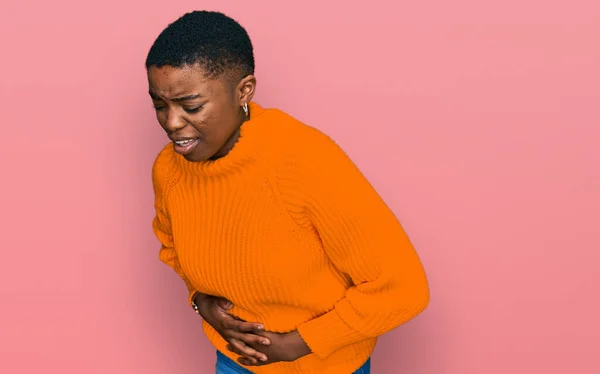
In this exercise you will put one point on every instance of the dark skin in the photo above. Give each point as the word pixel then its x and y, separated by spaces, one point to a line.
pixel 247 339
pixel 189 105
pixel 207 114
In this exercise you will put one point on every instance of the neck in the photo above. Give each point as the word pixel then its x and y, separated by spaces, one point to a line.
pixel 230 143
pixel 228 146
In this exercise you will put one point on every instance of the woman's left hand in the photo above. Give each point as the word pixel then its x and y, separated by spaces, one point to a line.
pixel 284 347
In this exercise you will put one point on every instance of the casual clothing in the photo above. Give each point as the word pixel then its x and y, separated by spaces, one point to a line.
pixel 225 365
pixel 287 228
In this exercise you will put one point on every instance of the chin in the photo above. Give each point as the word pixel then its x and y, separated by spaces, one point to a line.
pixel 195 158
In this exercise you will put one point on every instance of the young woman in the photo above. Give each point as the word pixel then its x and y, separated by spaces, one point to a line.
pixel 266 219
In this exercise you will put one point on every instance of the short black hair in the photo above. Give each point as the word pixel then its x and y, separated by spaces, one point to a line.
pixel 215 41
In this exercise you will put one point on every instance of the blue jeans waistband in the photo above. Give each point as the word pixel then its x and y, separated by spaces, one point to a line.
pixel 225 365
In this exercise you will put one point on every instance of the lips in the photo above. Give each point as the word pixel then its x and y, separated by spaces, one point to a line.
pixel 185 146
pixel 183 142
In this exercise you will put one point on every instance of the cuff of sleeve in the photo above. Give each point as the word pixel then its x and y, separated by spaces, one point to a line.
pixel 328 333
pixel 193 294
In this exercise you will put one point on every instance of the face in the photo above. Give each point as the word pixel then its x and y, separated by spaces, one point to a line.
pixel 201 116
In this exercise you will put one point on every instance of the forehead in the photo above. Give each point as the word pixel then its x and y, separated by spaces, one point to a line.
pixel 169 82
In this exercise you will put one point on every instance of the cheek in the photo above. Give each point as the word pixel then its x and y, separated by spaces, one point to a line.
pixel 162 118
pixel 201 122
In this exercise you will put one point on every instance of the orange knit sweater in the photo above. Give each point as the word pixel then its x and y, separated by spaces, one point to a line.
pixel 287 228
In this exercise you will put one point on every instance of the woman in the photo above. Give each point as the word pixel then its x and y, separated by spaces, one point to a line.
pixel 266 219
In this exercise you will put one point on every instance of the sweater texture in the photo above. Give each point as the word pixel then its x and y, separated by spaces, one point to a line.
pixel 287 228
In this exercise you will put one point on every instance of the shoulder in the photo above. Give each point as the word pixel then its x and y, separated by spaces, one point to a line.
pixel 306 154
pixel 297 142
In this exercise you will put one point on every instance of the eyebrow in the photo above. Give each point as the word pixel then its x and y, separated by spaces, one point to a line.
pixel 177 99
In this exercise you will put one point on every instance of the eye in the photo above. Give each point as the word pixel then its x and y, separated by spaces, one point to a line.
pixel 193 110
pixel 157 107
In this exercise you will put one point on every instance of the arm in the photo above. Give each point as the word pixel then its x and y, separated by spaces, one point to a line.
pixel 168 255
pixel 364 240
pixel 242 335
pixel 239 334
pixel 161 224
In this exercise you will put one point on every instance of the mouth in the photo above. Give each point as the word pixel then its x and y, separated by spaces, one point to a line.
pixel 186 146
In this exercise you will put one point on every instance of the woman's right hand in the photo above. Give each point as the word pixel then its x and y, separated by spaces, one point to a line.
pixel 237 333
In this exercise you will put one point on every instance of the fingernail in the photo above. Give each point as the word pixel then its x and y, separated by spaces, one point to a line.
pixel 263 358
pixel 228 305
pixel 261 327
pixel 265 342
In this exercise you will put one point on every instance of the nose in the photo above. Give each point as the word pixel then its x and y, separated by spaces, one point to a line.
pixel 173 122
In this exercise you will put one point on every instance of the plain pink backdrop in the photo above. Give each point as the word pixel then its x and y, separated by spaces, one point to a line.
pixel 478 122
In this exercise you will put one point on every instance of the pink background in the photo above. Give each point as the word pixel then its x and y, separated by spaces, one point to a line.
pixel 478 122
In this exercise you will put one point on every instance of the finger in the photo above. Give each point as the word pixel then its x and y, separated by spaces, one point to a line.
pixel 233 324
pixel 251 339
pixel 250 327
pixel 231 348
pixel 246 362
pixel 241 348
pixel 224 303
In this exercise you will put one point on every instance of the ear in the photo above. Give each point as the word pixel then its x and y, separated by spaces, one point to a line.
pixel 245 89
